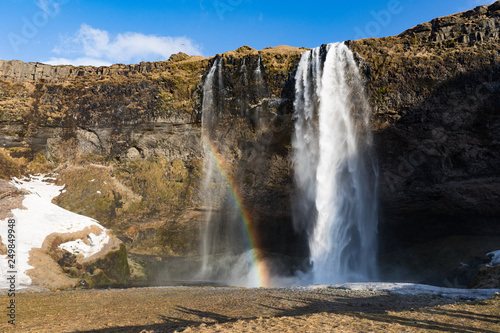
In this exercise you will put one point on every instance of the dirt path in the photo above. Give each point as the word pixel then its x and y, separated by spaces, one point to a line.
pixel 207 309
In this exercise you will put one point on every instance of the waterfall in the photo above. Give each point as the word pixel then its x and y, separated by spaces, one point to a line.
pixel 258 71
pixel 244 71
pixel 335 174
pixel 207 119
pixel 227 254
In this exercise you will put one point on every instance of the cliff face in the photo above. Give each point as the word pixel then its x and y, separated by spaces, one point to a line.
pixel 129 132
pixel 435 92
pixel 133 133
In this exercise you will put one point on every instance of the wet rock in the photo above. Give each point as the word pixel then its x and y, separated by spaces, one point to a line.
pixel 488 277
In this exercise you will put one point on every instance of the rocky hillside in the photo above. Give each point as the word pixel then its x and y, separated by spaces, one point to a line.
pixel 133 134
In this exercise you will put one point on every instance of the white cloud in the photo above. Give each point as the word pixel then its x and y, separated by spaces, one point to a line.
pixel 83 61
pixel 90 46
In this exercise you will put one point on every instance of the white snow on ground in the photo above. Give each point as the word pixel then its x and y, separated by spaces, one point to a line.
pixel 40 219
pixel 79 247
pixel 413 289
pixel 496 258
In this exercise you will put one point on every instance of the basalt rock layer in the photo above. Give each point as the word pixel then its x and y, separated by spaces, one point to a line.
pixel 132 132
pixel 435 93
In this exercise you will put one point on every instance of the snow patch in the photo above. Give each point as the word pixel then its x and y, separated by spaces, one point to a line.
pixel 40 219
pixel 413 289
pixel 79 247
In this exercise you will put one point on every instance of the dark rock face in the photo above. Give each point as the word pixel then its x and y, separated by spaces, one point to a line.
pixel 435 94
pixel 436 97
pixel 488 277
pixel 469 28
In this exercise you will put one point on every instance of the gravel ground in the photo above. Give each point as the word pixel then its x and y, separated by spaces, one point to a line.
pixel 216 309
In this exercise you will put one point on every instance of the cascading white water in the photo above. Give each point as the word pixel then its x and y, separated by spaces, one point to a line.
pixel 226 252
pixel 258 71
pixel 209 163
pixel 244 72
pixel 335 175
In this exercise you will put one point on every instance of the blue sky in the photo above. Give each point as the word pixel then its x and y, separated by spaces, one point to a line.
pixel 83 32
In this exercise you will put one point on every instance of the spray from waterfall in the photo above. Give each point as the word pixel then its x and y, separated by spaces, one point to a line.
pixel 230 249
pixel 335 175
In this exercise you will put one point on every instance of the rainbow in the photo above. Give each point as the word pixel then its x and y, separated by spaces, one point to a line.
pixel 262 272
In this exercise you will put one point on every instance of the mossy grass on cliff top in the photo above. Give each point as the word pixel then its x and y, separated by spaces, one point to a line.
pixel 278 57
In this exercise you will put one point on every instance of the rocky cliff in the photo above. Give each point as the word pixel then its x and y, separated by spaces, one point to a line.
pixel 435 92
pixel 133 133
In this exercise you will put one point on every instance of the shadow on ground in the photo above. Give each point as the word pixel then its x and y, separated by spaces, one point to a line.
pixel 375 309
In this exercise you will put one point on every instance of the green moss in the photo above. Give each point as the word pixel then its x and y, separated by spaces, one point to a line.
pixel 384 91
pixel 163 185
pixel 9 167
pixel 90 191
pixel 137 271
pixel 21 165
pixel 39 164
pixel 379 95
pixel 113 269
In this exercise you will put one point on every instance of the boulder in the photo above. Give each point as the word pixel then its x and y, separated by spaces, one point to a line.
pixel 56 268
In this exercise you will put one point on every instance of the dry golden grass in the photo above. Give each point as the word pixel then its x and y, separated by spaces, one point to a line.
pixel 248 310
pixel 16 167
pixel 284 49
